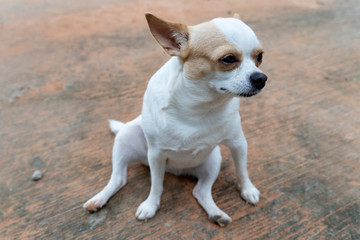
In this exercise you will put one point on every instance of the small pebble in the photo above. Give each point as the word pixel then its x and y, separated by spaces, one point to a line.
pixel 37 175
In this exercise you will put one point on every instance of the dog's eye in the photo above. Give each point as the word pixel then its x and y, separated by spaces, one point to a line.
pixel 259 58
pixel 229 59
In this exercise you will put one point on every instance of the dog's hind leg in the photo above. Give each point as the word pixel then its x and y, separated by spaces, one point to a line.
pixel 207 174
pixel 129 145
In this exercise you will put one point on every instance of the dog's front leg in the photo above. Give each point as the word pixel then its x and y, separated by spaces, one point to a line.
pixel 238 147
pixel 157 164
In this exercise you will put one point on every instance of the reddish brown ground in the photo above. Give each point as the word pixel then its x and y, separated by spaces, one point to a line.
pixel 68 66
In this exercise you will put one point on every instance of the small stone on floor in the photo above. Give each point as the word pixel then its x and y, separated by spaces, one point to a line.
pixel 37 175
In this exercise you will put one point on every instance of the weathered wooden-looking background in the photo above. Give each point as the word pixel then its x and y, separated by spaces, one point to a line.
pixel 68 66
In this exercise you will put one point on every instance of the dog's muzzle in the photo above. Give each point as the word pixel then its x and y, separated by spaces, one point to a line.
pixel 258 80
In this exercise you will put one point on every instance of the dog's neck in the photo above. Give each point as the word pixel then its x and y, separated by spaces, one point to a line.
pixel 193 97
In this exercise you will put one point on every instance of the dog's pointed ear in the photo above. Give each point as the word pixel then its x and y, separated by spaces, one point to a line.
pixel 173 37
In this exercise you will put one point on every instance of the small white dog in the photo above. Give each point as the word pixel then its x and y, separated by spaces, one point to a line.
pixel 190 107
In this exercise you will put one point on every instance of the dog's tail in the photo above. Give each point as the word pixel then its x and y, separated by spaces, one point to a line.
pixel 115 126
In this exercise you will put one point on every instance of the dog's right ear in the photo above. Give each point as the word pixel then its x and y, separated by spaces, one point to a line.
pixel 173 37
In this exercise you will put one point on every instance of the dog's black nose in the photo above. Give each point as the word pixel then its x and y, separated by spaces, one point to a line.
pixel 258 80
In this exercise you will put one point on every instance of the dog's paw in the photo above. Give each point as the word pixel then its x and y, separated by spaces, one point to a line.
pixel 223 220
pixel 250 194
pixel 94 204
pixel 146 210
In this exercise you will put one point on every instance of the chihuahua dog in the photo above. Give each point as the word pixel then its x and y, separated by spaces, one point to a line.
pixel 191 105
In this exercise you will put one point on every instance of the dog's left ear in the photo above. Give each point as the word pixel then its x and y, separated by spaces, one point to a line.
pixel 173 37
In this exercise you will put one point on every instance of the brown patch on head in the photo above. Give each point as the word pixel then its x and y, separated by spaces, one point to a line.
pixel 257 55
pixel 207 47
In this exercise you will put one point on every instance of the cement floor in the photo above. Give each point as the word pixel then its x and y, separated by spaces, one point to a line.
pixel 68 66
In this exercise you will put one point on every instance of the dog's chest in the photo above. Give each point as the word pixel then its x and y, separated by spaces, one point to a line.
pixel 183 119
pixel 188 144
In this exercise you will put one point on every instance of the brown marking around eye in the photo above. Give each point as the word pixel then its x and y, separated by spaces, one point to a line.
pixel 207 46
pixel 229 67
pixel 254 55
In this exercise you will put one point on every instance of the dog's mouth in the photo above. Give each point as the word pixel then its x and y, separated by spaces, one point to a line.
pixel 246 94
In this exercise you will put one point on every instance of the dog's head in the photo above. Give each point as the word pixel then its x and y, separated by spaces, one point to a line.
pixel 225 53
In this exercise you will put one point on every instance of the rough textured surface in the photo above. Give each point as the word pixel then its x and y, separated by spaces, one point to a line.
pixel 68 66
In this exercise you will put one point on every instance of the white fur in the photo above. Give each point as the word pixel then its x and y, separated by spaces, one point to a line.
pixel 182 123
pixel 238 33
pixel 115 126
